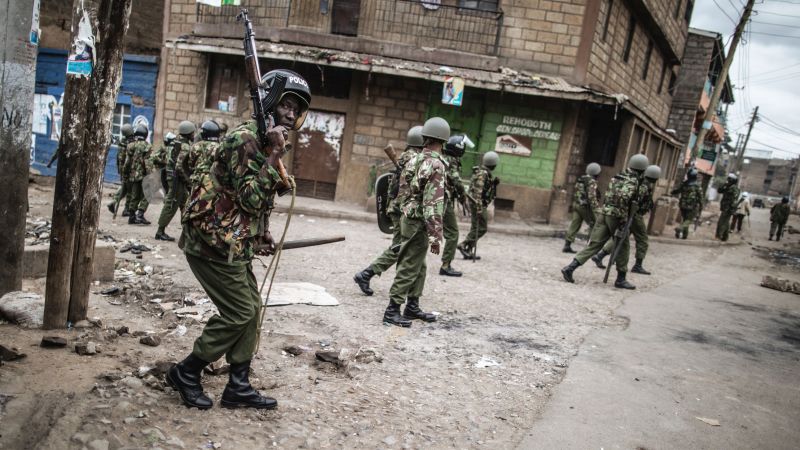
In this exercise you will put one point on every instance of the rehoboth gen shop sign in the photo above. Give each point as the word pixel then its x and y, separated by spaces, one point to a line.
pixel 515 135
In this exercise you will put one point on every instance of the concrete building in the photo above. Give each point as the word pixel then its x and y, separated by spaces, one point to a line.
pixel 767 176
pixel 550 85
pixel 137 97
pixel 702 62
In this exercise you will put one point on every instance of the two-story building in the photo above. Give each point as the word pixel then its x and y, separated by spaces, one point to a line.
pixel 550 85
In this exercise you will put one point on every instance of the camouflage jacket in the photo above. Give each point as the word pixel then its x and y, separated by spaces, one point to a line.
pixel 691 196
pixel 730 197
pixel 453 187
pixel 425 175
pixel 121 153
pixel 623 190
pixel 586 193
pixel 228 210
pixel 398 187
pixel 160 156
pixel 180 149
pixel 779 213
pixel 188 161
pixel 136 155
pixel 645 197
pixel 481 187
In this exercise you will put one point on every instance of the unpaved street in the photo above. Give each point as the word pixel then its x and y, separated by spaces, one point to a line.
pixel 512 308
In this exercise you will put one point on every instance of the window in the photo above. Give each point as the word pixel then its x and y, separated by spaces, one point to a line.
pixel 608 19
pixel 663 75
pixel 225 83
pixel 647 56
pixel 673 83
pixel 603 138
pixel 122 115
pixel 689 8
pixel 626 52
pixel 483 5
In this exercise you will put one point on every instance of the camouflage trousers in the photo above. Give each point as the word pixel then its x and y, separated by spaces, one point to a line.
pixel 389 256
pixel 122 193
pixel 411 267
pixel 450 223
pixel 724 225
pixel 687 218
pixel 478 226
pixel 175 200
pixel 234 291
pixel 602 232
pixel 776 229
pixel 136 200
pixel 580 215
pixel 639 233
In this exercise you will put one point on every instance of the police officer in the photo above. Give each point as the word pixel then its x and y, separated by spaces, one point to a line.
pixel 622 195
pixel 638 226
pixel 454 191
pixel 424 179
pixel 727 206
pixel 225 224
pixel 178 191
pixel 201 153
pixel 584 204
pixel 127 135
pixel 483 190
pixel 160 157
pixel 388 258
pixel 778 216
pixel 690 203
pixel 137 155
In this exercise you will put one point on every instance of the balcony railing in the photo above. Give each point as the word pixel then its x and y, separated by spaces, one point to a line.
pixel 448 26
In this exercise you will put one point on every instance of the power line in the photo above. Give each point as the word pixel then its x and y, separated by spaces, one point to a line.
pixel 774 24
pixel 775 35
pixel 777 14
pixel 724 12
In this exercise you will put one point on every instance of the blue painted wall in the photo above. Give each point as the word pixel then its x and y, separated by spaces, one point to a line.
pixel 138 91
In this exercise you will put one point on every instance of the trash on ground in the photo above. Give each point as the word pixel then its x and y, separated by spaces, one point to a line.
pixel 485 361
pixel 300 294
pixel 712 422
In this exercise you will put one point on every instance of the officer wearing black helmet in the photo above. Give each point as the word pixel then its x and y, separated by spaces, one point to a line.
pixel 199 152
pixel 225 224
pixel 160 157
pixel 136 167
pixel 127 136
pixel 453 191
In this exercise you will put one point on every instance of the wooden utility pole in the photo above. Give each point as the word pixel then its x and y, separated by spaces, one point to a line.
pixel 18 47
pixel 94 73
pixel 740 154
pixel 711 111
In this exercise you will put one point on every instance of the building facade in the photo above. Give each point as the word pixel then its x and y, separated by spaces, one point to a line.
pixel 771 177
pixel 549 85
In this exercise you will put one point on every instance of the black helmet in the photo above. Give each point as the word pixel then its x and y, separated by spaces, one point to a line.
pixel 209 131
pixel 292 83
pixel 456 145
pixel 141 131
pixel 691 175
pixel 785 200
pixel 127 130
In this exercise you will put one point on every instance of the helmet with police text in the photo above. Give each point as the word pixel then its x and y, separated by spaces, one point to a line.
pixel 638 162
pixel 209 131
pixel 436 128
pixel 169 137
pixel 490 160
pixel 127 130
pixel 457 145
pixel 287 83
pixel 141 131
pixel 653 172
pixel 186 129
pixel 414 137
pixel 593 169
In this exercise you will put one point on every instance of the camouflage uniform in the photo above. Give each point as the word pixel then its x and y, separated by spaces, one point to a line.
pixel 178 190
pixel 122 192
pixel 137 155
pixel 454 190
pixel 226 217
pixel 638 226
pixel 389 256
pixel 690 203
pixel 481 189
pixel 727 206
pixel 584 205
pixel 159 162
pixel 778 216
pixel 200 154
pixel 421 224
pixel 622 191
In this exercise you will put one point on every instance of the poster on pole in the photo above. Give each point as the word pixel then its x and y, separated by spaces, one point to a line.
pixel 81 56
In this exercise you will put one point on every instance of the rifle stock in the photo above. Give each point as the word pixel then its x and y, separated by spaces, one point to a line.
pixel 389 150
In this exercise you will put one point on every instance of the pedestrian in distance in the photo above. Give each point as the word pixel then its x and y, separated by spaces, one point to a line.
pixel 778 216
pixel 743 209
pixel 420 226
pixel 388 258
pixel 482 190
pixel 585 202
pixel 619 208
pixel 690 203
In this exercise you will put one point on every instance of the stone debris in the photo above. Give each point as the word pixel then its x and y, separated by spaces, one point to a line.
pixel 218 367
pixel 86 348
pixel 296 350
pixel 37 231
pixel 53 342
pixel 780 284
pixel 25 309
pixel 153 340
pixel 10 354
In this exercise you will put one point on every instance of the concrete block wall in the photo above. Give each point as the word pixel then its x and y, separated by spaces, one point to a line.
pixel 690 82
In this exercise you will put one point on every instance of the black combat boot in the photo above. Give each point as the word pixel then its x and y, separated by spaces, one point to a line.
pixel 567 271
pixel 598 259
pixel 465 252
pixel 412 311
pixel 449 271
pixel 184 377
pixel 677 233
pixel 125 211
pixel 140 218
pixel 638 268
pixel 621 282
pixel 239 393
pixel 685 234
pixel 568 247
pixel 362 280
pixel 162 235
pixel 770 238
pixel 392 316
pixel 132 220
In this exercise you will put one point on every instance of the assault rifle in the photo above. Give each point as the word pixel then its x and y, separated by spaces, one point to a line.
pixel 262 100
pixel 620 236
pixel 301 243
